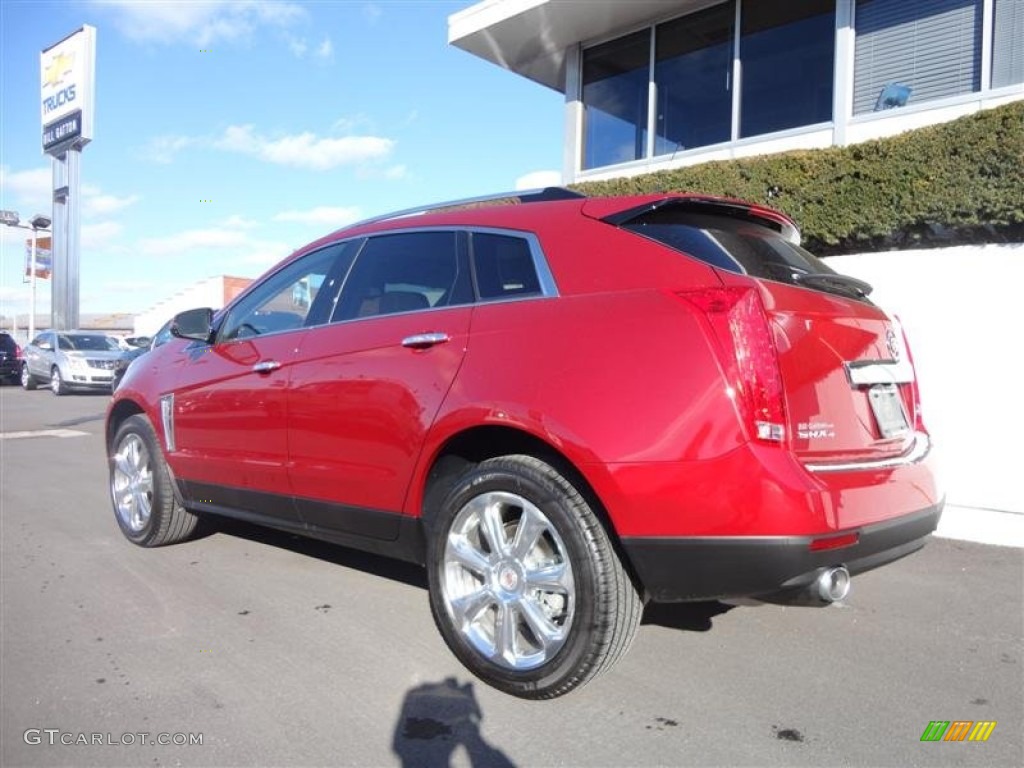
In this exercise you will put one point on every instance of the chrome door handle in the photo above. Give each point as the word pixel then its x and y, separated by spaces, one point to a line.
pixel 424 340
pixel 266 366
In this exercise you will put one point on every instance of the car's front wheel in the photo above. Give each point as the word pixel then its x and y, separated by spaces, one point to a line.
pixel 140 488
pixel 28 381
pixel 525 585
pixel 57 385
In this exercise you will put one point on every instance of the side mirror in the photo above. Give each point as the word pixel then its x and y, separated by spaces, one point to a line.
pixel 194 324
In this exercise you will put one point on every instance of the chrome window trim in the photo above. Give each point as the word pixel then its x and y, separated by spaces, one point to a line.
pixel 548 287
pixel 920 448
pixel 546 279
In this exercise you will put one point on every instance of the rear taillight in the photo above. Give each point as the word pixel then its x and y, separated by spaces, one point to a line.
pixel 749 357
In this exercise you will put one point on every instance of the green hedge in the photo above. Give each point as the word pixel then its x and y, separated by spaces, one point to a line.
pixel 959 182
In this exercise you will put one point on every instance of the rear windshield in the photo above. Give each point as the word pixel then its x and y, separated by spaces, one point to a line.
pixel 735 244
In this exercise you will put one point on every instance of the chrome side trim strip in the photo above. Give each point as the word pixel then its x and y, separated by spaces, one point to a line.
pixel 920 448
pixel 167 417
pixel 868 372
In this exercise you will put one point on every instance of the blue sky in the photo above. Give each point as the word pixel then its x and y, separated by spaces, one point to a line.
pixel 302 117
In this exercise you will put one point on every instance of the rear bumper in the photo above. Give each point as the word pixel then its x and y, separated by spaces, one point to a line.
pixel 676 569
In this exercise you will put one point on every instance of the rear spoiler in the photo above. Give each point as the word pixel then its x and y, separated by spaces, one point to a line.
pixel 605 210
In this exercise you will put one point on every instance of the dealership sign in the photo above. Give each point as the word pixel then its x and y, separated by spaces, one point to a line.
pixel 68 79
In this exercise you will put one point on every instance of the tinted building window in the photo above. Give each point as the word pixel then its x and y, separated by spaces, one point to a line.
pixel 615 85
pixel 1008 43
pixel 787 51
pixel 693 74
pixel 909 51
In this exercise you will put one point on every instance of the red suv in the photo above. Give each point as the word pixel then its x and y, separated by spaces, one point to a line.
pixel 562 406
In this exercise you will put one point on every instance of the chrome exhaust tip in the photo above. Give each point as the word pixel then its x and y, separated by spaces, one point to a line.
pixel 832 584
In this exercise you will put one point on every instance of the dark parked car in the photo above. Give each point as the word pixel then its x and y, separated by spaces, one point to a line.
pixel 10 358
pixel 71 360
pixel 563 407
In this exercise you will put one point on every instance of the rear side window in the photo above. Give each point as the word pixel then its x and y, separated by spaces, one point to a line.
pixel 504 267
pixel 732 243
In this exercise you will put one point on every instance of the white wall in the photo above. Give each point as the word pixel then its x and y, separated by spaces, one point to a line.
pixel 208 293
pixel 963 311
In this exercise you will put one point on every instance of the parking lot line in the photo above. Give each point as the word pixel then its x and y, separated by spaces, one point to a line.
pixel 42 433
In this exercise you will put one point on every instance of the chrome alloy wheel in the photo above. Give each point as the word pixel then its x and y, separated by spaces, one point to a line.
pixel 508 582
pixel 131 483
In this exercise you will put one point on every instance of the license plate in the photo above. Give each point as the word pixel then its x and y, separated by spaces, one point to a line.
pixel 888 409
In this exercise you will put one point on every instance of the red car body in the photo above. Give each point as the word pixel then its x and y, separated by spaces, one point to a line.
pixel 722 423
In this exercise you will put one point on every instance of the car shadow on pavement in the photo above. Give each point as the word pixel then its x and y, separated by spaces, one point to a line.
pixel 436 721
pixel 692 617
pixel 376 565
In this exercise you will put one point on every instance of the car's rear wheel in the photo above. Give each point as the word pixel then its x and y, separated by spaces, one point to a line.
pixel 141 490
pixel 28 381
pixel 57 385
pixel 525 586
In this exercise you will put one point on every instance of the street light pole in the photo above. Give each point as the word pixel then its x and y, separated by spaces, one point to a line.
pixel 32 291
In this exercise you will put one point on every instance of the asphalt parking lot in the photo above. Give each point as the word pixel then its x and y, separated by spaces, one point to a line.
pixel 273 650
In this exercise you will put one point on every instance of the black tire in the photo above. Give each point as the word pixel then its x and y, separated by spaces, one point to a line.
pixel 28 381
pixel 57 384
pixel 588 613
pixel 145 507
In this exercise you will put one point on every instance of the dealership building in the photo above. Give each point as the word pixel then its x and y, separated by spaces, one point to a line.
pixel 658 84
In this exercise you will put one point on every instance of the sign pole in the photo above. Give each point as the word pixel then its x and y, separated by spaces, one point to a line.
pixel 67 106
pixel 32 283
pixel 59 277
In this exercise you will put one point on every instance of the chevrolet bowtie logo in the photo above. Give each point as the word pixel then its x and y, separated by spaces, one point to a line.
pixel 59 66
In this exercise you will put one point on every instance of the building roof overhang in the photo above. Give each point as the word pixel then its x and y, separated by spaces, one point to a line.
pixel 530 37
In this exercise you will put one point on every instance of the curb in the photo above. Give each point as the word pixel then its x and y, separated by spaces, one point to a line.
pixel 982 526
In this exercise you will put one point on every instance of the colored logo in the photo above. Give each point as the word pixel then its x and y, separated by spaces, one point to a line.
pixel 958 730
pixel 60 65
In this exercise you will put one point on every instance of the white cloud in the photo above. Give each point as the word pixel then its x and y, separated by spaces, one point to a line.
pixel 325 215
pixel 305 150
pixel 325 51
pixel 95 203
pixel 199 22
pixel 372 13
pixel 191 240
pixel 391 173
pixel 239 222
pixel 353 123
pixel 231 248
pixel 297 45
pixel 162 149
pixel 30 190
pixel 100 235
pixel 538 179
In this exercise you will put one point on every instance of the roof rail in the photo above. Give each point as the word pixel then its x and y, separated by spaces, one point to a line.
pixel 539 195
